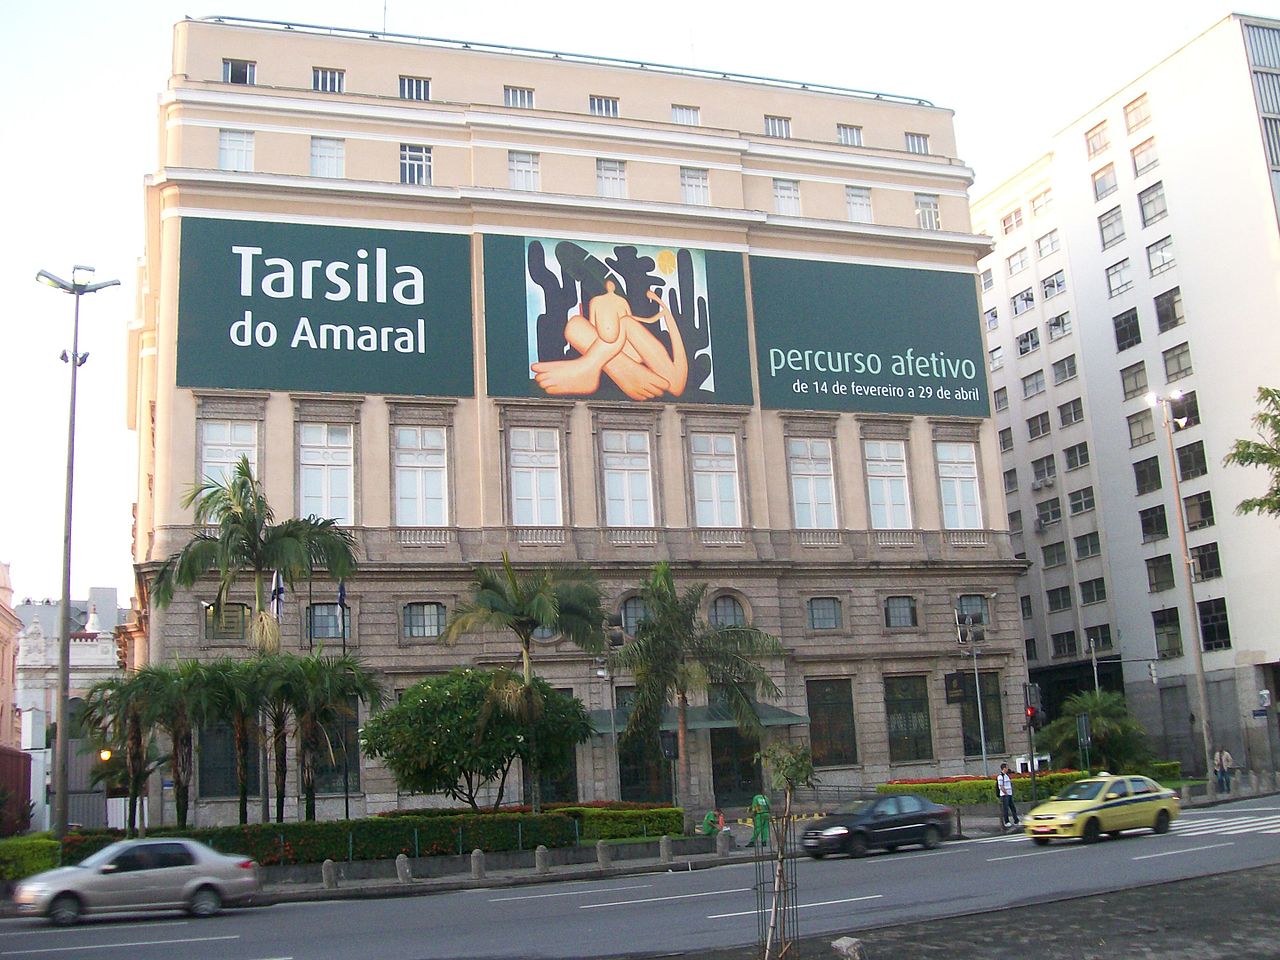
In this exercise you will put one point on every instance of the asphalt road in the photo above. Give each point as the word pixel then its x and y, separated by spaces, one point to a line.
pixel 682 913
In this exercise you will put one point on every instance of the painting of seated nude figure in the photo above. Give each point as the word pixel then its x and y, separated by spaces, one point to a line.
pixel 613 321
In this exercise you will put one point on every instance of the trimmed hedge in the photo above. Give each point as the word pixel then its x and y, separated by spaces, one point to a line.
pixel 965 791
pixel 1165 771
pixel 23 856
pixel 597 824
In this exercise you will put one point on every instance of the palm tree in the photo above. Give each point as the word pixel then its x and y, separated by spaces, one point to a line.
pixel 319 690
pixel 177 699
pixel 1117 741
pixel 235 687
pixel 675 652
pixel 563 602
pixel 119 709
pixel 273 673
pixel 1263 453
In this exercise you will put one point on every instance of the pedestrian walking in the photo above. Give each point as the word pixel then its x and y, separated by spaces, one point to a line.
pixel 1222 762
pixel 1004 790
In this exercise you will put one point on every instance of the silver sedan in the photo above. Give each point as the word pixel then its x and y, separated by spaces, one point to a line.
pixel 160 874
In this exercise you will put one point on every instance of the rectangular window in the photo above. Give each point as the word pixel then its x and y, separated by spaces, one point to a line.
pixel 239 71
pixel 1053 285
pixel 1206 561
pixel 1199 508
pixel 1152 204
pixel 1215 631
pixel 1185 408
pixel 216 759
pixel 1088 545
pixel 824 613
pixel 327 157
pixel 1059 326
pixel 1160 573
pixel 327 622
pixel 235 150
pixel 689 116
pixel 422 621
pixel 715 479
pixel 1133 379
pixel 421 463
pixel 535 476
pixel 1141 428
pixel 1096 139
pixel 991 317
pixel 995 357
pixel 1038 426
pixel 522 170
pixel 786 197
pixel 328 80
pixel 695 189
pixel 900 612
pixel 917 143
pixel 832 737
pixel 223 443
pixel 858 204
pixel 1168 633
pixel 1041 202
pixel 1047 244
pixel 1054 554
pixel 988 281
pixel 1030 647
pixel 1191 461
pixel 338 767
pixel 1064 369
pixel 415 88
pixel 1099 637
pixel 628 478
pixel 1000 398
pixel 1169 310
pixel 326 484
pixel 1080 501
pixel 1093 591
pixel 1144 157
pixel 888 494
pixel 812 483
pixel 1010 480
pixel 1058 598
pixel 1119 278
pixel 1128 332
pixel 1006 436
pixel 958 475
pixel 991 722
pixel 1146 475
pixel 1048 511
pixel 1028 342
pixel 777 127
pixel 521 97
pixel 849 135
pixel 611 178
pixel 1044 468
pixel 1023 301
pixel 602 106
pixel 415 164
pixel 1015 521
pixel 1104 182
pixel 906 707
pixel 1024 602
pixel 928 216
pixel 1011 221
pixel 1160 255
pixel 1177 362
pixel 1154 524
pixel 1064 644
pixel 1017 262
pixel 228 622
pixel 1137 113
pixel 1076 456
pixel 1071 412
pixel 1111 227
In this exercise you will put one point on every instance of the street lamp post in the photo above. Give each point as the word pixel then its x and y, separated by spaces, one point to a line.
pixel 1202 692
pixel 76 287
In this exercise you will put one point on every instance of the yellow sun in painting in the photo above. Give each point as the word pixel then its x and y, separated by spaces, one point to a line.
pixel 666 262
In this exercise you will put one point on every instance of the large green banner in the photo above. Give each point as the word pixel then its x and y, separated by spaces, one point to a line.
pixel 288 306
pixel 614 321
pixel 842 336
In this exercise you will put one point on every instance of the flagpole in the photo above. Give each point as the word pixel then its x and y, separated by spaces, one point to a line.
pixel 346 762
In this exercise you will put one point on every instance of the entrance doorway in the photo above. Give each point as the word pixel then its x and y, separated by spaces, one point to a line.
pixel 735 774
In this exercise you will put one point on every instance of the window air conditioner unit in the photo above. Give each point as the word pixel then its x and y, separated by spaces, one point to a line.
pixel 1048 481
pixel 1039 526
pixel 1037 484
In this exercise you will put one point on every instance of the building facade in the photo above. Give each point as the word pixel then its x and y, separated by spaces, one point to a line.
pixel 10 627
pixel 481 301
pixel 1133 275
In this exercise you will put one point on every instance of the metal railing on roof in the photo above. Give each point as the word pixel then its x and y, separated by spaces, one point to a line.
pixel 568 58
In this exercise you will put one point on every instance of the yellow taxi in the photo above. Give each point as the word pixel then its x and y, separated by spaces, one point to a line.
pixel 1103 804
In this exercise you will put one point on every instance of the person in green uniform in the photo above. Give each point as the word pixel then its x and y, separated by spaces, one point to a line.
pixel 760 816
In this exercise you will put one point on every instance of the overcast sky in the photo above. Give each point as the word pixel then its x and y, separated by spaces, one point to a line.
pixel 80 127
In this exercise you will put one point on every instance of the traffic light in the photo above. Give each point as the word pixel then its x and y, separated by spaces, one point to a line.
pixel 1034 708
pixel 1033 717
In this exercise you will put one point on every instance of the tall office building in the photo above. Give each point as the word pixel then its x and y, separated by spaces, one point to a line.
pixel 472 301
pixel 1134 275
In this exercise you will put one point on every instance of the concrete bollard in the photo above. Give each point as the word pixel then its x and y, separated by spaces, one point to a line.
pixel 402 869
pixel 604 856
pixel 724 843
pixel 664 849
pixel 851 948
pixel 329 873
pixel 540 862
pixel 477 864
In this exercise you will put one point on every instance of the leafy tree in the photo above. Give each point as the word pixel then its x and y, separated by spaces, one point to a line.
pixel 235 687
pixel 119 709
pixel 445 735
pixel 1263 453
pixel 1118 741
pixel 676 652
pixel 177 699
pixel 563 602
pixel 272 673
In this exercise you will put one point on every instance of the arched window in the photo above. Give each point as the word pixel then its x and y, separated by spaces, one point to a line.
pixel 633 612
pixel 726 611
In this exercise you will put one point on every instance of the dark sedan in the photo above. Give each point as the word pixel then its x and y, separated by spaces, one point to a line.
pixel 886 822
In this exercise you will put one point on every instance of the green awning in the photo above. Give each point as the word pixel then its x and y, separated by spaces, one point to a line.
pixel 718 716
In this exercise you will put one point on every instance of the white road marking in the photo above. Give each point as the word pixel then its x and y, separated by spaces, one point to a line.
pixel 115 946
pixel 568 893
pixel 1033 853
pixel 1171 853
pixel 799 906
pixel 682 896
pixel 45 931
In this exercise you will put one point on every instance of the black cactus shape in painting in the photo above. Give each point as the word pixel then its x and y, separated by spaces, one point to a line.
pixel 560 298
pixel 694 324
